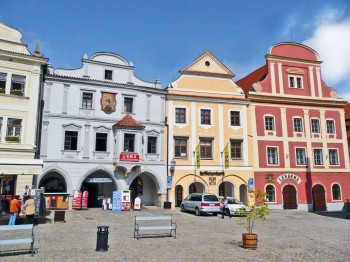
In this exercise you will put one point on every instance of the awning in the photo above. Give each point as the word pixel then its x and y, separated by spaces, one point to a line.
pixel 20 166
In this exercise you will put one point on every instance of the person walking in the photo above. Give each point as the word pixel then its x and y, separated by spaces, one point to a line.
pixel 15 207
pixel 225 208
pixel 29 208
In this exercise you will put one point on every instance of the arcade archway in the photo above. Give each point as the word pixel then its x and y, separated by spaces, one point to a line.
pixel 145 187
pixel 226 189
pixel 53 182
pixel 196 187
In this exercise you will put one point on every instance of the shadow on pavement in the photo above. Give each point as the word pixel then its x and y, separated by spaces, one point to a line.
pixel 335 214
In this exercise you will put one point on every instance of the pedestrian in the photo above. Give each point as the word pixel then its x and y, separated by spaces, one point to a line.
pixel 15 207
pixel 225 208
pixel 25 193
pixel 29 209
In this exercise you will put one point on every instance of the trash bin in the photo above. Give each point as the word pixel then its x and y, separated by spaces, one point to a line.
pixel 102 238
pixel 59 216
pixel 167 205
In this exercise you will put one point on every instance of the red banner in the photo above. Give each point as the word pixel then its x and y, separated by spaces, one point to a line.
pixel 77 197
pixel 129 157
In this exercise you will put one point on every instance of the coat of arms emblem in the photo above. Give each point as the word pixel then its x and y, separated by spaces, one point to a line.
pixel 108 103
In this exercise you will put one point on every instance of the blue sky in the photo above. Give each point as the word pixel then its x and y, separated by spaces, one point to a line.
pixel 160 37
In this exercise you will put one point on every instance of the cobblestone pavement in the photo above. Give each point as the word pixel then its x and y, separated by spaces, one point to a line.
pixel 285 236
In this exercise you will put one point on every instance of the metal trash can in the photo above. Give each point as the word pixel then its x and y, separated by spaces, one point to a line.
pixel 102 238
pixel 59 216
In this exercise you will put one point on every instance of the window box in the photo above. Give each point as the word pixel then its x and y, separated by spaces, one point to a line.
pixel 12 139
pixel 17 92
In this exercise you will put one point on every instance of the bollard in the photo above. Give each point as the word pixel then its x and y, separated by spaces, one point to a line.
pixel 102 238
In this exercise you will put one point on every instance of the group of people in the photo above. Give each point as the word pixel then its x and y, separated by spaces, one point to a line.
pixel 16 208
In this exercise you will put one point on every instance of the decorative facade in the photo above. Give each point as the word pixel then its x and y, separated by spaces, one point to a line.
pixel 20 91
pixel 209 147
pixel 301 155
pixel 103 130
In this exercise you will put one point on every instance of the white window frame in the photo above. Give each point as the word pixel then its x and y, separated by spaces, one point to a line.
pixel 210 115
pixel 267 199
pixel 181 138
pixel 267 124
pixel 82 100
pixel 133 105
pixel 276 154
pixel 107 141
pixel 135 144
pixel 316 158
pixel 240 118
pixel 341 195
pixel 14 130
pixel 186 114
pixel 71 127
pixel 294 83
pixel 295 127
pixel 108 79
pixel 156 137
pixel 300 159
pixel 337 156
pixel 333 126
pixel 315 129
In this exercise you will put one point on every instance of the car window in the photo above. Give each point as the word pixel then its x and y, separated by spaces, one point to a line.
pixel 233 201
pixel 198 198
pixel 210 198
pixel 187 198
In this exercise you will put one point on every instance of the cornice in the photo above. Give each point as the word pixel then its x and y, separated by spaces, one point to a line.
pixel 210 74
pixel 225 100
pixel 11 54
pixel 288 59
pixel 107 64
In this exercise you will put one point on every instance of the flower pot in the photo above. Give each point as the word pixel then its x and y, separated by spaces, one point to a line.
pixel 250 241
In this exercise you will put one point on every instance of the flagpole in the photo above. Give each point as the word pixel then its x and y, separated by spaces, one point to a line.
pixel 223 172
pixel 195 165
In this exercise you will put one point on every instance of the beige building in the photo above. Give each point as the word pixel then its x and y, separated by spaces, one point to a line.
pixel 20 78
pixel 209 141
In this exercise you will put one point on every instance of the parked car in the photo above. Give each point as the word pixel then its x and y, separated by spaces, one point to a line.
pixel 234 206
pixel 201 204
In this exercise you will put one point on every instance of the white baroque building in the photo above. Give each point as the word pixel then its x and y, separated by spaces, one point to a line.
pixel 103 130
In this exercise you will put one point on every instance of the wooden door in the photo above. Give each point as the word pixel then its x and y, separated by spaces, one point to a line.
pixel 319 198
pixel 178 190
pixel 290 197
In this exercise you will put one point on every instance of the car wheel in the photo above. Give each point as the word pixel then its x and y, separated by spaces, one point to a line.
pixel 182 208
pixel 198 213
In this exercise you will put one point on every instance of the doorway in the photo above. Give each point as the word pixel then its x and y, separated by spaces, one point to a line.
pixel 319 198
pixel 179 195
pixel 289 197
pixel 196 187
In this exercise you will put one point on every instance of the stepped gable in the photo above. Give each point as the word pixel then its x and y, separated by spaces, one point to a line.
pixel 128 121
pixel 247 82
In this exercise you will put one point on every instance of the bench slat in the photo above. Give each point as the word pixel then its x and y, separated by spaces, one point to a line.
pixel 16 227
pixel 153 218
pixel 157 228
pixel 16 241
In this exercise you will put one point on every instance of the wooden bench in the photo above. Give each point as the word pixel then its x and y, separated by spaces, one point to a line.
pixel 29 240
pixel 148 227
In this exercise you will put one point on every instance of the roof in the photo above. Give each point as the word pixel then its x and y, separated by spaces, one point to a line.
pixel 128 121
pixel 247 82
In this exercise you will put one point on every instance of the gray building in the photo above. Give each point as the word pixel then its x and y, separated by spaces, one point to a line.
pixel 103 130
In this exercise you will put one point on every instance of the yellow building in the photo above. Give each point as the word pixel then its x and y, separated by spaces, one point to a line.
pixel 20 78
pixel 208 146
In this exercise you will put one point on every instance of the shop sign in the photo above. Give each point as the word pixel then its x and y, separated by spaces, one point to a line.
pixel 129 157
pixel 117 201
pixel 288 176
pixel 84 203
pixel 77 198
pixel 212 173
pixel 99 180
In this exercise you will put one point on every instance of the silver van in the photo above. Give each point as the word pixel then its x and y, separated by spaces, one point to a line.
pixel 201 203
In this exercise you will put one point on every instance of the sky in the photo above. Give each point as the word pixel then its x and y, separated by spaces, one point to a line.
pixel 161 37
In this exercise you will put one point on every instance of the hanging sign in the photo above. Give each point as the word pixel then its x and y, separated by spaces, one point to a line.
pixel 132 157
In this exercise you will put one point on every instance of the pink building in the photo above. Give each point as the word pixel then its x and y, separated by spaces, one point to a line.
pixel 298 128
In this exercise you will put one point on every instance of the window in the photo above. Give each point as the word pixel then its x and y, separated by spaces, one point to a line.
pixel 71 140
pixel 129 142
pixel 333 157
pixel 235 118
pixel 17 85
pixel 270 190
pixel 180 147
pixel 206 148
pixel 87 101
pixel 180 115
pixel 298 125
pixel 108 74
pixel 315 126
pixel 14 129
pixel 336 192
pixel 205 117
pixel 272 155
pixel 152 145
pixel 269 123
pixel 295 82
pixel 236 149
pixel 301 158
pixel 101 142
pixel 330 127
pixel 128 104
pixel 2 82
pixel 318 157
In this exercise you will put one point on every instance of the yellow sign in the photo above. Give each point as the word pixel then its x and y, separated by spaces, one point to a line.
pixel 198 156
pixel 226 157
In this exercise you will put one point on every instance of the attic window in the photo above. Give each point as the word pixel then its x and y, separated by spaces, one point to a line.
pixel 207 63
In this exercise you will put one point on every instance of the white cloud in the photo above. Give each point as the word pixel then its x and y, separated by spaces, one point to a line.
pixel 346 96
pixel 330 40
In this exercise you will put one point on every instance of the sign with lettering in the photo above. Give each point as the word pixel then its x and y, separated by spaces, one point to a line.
pixel 132 157
pixel 99 180
pixel 212 173
pixel 288 176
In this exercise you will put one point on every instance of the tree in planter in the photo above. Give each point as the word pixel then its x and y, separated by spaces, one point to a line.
pixel 258 212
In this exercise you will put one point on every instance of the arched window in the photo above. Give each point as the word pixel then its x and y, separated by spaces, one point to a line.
pixel 336 192
pixel 270 190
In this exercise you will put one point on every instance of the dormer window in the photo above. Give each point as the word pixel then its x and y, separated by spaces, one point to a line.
pixel 295 82
pixel 108 74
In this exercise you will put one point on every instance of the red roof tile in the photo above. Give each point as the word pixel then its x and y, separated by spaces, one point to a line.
pixel 128 121
pixel 247 82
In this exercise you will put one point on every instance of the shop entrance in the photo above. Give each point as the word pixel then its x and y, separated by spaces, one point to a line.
pixel 319 198
pixel 100 185
pixel 243 194
pixel 196 187
pixel 179 195
pixel 289 197
pixel 53 182
pixel 226 189
pixel 144 187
